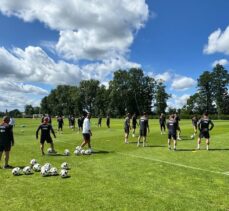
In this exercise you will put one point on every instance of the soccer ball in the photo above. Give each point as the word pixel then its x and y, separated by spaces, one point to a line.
pixel 64 165
pixel 77 152
pixel 47 166
pixel 16 171
pixel 44 171
pixel 87 152
pixel 53 171
pixel 63 173
pixel 27 170
pixel 37 167
pixel 49 150
pixel 192 136
pixel 78 148
pixel 33 162
pixel 66 152
pixel 82 152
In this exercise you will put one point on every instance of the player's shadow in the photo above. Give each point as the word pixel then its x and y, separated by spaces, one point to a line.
pixel 222 149
pixel 102 152
pixel 155 146
pixel 185 150
pixel 57 154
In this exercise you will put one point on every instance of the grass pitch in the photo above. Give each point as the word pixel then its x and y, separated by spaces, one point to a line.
pixel 120 176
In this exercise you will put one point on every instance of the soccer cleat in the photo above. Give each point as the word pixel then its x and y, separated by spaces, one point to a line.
pixel 7 167
pixel 169 147
pixel 138 144
pixel 126 142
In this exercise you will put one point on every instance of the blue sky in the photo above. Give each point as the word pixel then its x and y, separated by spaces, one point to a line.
pixel 43 44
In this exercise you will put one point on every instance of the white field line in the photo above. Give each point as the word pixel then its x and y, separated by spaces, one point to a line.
pixel 174 164
pixel 162 161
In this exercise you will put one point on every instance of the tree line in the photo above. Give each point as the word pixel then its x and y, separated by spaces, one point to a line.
pixel 134 92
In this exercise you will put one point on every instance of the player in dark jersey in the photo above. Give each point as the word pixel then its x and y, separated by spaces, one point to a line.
pixel 162 122
pixel 177 119
pixel 108 121
pixel 99 121
pixel 80 123
pixel 203 126
pixel 127 128
pixel 194 124
pixel 172 131
pixel 6 140
pixel 46 128
pixel 144 126
pixel 72 122
pixel 60 122
pixel 134 124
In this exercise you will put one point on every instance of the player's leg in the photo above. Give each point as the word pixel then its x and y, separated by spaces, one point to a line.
pixel 139 139
pixel 169 141
pixel 7 157
pixel 174 142
pixel 144 141
pixel 198 142
pixel 42 148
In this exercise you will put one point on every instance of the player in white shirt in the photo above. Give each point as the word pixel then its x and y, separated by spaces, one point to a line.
pixel 86 132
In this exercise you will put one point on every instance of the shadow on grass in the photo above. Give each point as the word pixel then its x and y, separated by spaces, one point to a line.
pixel 219 149
pixel 155 146
pixel 57 154
pixel 102 152
pixel 185 150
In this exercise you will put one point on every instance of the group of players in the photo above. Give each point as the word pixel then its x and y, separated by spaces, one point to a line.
pixel 204 125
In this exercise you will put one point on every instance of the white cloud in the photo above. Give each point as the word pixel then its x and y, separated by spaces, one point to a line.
pixel 221 62
pixel 218 42
pixel 92 29
pixel 182 83
pixel 34 65
pixel 166 76
pixel 178 101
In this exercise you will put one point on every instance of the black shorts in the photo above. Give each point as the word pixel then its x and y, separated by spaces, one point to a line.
pixel 143 132
pixel 127 130
pixel 172 135
pixel 204 134
pixel 86 136
pixel 48 140
pixel 5 147
pixel 134 126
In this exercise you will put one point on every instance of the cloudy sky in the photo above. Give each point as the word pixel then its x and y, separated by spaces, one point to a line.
pixel 44 43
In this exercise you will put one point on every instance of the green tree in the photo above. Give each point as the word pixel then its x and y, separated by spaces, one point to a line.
pixel 161 97
pixel 220 80
pixel 205 91
pixel 29 110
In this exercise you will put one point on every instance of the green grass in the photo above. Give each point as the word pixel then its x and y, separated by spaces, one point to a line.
pixel 120 176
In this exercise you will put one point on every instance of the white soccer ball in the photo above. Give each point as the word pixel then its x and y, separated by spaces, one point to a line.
pixel 82 152
pixel 64 165
pixel 77 152
pixel 27 170
pixel 48 166
pixel 78 148
pixel 16 171
pixel 37 167
pixel 63 173
pixel 33 162
pixel 44 171
pixel 192 136
pixel 66 152
pixel 87 152
pixel 53 171
pixel 49 150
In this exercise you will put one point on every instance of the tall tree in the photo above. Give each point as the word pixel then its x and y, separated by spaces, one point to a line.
pixel 161 97
pixel 220 81
pixel 205 90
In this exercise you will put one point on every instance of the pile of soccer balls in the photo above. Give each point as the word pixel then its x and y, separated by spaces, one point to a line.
pixel 46 170
pixel 79 151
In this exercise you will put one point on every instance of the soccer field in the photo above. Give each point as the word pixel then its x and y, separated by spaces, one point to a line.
pixel 120 176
